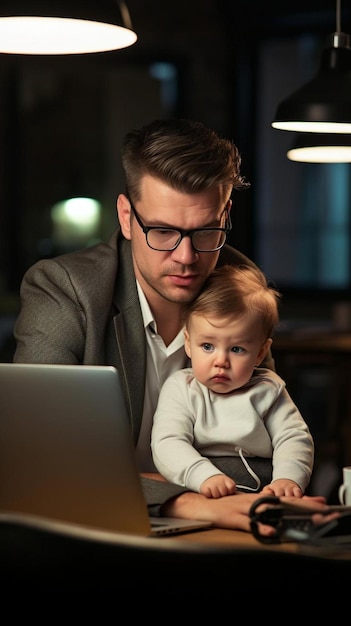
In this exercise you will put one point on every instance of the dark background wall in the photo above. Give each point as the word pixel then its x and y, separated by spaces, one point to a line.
pixel 62 119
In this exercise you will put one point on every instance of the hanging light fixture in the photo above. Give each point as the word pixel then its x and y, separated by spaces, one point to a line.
pixel 321 148
pixel 64 26
pixel 322 105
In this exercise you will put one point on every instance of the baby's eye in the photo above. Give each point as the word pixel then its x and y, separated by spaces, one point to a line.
pixel 237 349
pixel 207 347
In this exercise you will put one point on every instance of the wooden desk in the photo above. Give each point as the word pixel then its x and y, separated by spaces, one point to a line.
pixel 231 539
pixel 199 575
pixel 240 540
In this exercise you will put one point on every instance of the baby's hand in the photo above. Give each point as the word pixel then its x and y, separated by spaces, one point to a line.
pixel 283 487
pixel 218 486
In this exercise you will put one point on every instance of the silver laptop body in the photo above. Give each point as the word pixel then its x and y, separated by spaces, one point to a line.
pixel 66 451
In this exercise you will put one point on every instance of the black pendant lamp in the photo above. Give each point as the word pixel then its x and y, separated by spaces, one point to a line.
pixel 322 105
pixel 64 26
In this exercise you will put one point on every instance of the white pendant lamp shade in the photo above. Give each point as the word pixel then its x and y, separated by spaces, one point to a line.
pixel 321 148
pixel 64 27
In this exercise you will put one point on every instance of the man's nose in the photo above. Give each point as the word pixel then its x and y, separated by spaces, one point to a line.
pixel 184 252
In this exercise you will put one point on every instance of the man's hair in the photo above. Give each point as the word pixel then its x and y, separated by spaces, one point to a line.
pixel 237 290
pixel 184 154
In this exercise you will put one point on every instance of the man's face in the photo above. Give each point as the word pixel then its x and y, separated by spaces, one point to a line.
pixel 178 275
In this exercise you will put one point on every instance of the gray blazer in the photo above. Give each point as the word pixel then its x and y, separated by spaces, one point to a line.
pixel 83 308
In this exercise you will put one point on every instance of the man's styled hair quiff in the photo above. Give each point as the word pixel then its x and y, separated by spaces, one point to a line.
pixel 184 154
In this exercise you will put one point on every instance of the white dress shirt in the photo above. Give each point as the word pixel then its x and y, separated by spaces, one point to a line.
pixel 161 361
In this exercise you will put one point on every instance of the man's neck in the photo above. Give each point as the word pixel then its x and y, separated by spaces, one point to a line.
pixel 168 319
pixel 167 316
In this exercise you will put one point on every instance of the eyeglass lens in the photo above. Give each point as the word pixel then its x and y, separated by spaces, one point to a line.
pixel 206 240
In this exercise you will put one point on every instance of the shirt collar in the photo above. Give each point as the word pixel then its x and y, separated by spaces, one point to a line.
pixel 148 318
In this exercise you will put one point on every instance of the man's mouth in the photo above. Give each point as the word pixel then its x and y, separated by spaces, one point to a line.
pixel 183 280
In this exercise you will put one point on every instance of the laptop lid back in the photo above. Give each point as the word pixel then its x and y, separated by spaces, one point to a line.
pixel 66 450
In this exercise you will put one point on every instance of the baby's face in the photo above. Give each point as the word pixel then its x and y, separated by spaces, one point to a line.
pixel 224 351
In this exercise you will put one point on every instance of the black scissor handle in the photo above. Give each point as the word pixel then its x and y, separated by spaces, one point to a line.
pixel 271 516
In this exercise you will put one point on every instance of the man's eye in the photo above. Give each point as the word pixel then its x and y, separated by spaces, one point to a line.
pixel 165 232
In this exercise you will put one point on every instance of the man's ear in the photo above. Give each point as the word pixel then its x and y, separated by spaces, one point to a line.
pixel 263 351
pixel 187 343
pixel 123 212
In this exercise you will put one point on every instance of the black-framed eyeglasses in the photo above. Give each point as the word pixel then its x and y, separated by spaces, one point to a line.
pixel 164 239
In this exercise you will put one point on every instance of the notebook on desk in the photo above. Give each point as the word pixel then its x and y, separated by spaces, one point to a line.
pixel 66 451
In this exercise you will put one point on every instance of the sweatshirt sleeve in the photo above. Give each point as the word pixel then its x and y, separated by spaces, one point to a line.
pixel 172 436
pixel 293 445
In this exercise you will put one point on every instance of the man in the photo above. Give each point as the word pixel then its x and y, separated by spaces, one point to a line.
pixel 120 303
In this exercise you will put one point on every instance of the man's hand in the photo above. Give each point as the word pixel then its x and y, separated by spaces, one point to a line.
pixel 232 511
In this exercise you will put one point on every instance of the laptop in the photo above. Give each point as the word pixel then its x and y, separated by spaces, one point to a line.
pixel 66 451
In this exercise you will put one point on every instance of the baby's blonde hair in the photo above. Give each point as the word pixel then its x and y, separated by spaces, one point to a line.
pixel 236 290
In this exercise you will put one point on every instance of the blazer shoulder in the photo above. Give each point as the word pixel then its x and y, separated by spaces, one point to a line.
pixel 90 271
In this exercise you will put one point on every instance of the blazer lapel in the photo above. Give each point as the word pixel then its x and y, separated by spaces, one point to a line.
pixel 130 335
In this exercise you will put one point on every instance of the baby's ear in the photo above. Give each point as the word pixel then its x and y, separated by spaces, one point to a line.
pixel 187 343
pixel 263 351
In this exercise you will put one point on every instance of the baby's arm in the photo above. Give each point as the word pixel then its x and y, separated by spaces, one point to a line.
pixel 283 487
pixel 218 486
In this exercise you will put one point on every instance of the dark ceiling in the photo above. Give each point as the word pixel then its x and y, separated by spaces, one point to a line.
pixel 255 15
